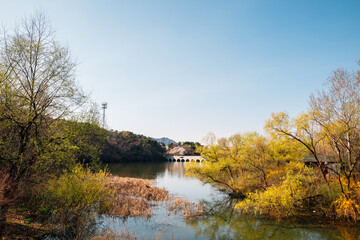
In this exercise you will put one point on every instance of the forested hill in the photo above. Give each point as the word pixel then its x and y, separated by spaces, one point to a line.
pixel 129 147
pixel 166 141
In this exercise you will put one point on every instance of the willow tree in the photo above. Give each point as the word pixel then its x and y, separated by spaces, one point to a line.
pixel 244 163
pixel 37 87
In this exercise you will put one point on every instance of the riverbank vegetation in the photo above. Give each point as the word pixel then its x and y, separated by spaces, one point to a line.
pixel 52 147
pixel 271 174
pixel 48 127
pixel 38 89
pixel 51 182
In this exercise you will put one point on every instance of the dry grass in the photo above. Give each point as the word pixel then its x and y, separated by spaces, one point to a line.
pixel 136 187
pixel 110 235
pixel 135 197
pixel 186 208
pixel 131 197
pixel 125 206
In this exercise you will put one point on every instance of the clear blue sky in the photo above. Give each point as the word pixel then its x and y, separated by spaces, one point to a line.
pixel 184 68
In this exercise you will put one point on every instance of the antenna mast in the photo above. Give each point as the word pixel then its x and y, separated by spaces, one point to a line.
pixel 104 106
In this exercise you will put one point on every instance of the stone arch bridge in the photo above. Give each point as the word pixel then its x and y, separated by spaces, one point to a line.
pixel 185 158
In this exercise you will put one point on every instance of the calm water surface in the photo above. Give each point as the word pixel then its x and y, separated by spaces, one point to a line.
pixel 222 223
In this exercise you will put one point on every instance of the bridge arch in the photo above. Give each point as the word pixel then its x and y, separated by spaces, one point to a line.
pixel 184 158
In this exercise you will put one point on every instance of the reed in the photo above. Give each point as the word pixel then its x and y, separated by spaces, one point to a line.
pixel 124 206
pixel 136 197
pixel 186 208
pixel 110 235
pixel 133 196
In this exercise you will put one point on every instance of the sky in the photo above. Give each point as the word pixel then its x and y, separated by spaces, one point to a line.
pixel 181 69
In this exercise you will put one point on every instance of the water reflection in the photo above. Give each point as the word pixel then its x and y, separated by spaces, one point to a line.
pixel 171 176
pixel 173 180
pixel 137 170
pixel 222 223
pixel 225 223
pixel 148 170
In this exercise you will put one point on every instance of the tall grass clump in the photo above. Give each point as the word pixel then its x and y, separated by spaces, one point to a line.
pixel 134 197
pixel 75 199
pixel 111 235
pixel 188 209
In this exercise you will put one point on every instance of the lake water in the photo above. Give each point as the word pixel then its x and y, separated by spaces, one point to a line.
pixel 222 223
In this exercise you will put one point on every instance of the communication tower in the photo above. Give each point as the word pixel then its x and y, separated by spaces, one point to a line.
pixel 104 106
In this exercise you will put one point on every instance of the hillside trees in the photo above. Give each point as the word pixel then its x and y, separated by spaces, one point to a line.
pixel 129 147
pixel 37 87
pixel 84 133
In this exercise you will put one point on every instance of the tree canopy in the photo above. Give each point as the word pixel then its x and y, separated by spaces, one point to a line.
pixel 129 147
pixel 37 88
pixel 271 173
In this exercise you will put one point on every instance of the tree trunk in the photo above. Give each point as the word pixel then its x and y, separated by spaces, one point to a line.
pixel 4 207
pixel 5 204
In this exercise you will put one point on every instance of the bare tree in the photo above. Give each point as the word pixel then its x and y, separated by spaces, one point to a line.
pixel 336 111
pixel 37 87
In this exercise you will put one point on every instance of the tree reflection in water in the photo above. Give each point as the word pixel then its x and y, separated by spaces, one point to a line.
pixel 224 222
pixel 137 170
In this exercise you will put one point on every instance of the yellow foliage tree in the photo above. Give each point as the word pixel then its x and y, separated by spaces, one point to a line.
pixel 245 162
pixel 331 128
pixel 283 198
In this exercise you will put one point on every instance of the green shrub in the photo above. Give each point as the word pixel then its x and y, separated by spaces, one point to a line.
pixel 76 198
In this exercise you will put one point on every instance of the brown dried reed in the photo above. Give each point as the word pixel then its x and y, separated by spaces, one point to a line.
pixel 110 235
pixel 137 188
pixel 188 209
pixel 135 197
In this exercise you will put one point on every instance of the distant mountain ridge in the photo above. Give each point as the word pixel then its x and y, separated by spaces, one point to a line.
pixel 166 141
